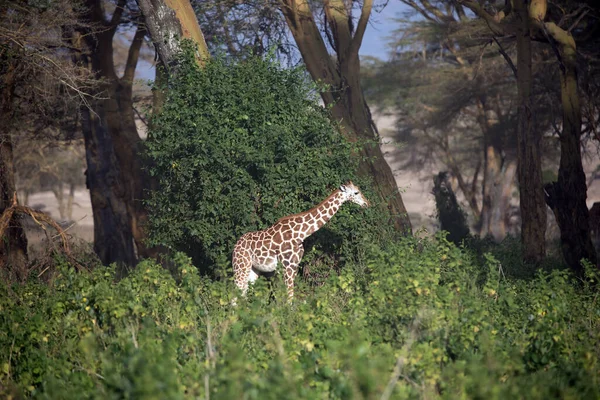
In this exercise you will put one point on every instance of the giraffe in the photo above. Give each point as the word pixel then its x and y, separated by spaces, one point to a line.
pixel 259 252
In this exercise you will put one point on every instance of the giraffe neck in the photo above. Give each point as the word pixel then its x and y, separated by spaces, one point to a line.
pixel 318 216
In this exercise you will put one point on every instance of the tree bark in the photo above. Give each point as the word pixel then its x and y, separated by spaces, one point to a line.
pixel 343 93
pixel 567 197
pixel 529 170
pixel 111 134
pixel 119 121
pixel 58 191
pixel 168 21
pixel 70 201
pixel 13 243
pixel 113 239
pixel 503 191
pixel 498 178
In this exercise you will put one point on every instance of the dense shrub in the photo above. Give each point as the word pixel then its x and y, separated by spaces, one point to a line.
pixel 420 322
pixel 239 145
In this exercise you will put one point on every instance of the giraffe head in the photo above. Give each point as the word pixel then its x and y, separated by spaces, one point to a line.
pixel 352 193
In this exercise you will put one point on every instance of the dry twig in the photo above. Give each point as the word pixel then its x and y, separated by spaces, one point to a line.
pixel 40 218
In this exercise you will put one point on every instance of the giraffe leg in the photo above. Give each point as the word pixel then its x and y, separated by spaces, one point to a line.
pixel 290 273
pixel 290 265
pixel 241 273
pixel 242 267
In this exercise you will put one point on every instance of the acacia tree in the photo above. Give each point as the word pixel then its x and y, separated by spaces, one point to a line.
pixel 241 29
pixel 342 91
pixel 255 25
pixel 39 89
pixel 13 246
pixel 452 96
pixel 168 22
pixel 567 196
pixel 529 168
pixel 115 175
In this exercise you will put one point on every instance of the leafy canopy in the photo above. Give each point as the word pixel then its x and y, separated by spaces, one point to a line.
pixel 239 145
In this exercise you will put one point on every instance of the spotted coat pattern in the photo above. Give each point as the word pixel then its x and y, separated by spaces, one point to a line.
pixel 261 251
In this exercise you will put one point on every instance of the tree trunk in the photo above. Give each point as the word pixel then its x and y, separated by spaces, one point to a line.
pixel 159 93
pixel 13 243
pixel 58 191
pixel 113 239
pixel 168 21
pixel 119 121
pixel 492 165
pixel 351 109
pixel 529 170
pixel 118 139
pixel 498 178
pixel 567 197
pixel 70 202
pixel 503 191
pixel 344 92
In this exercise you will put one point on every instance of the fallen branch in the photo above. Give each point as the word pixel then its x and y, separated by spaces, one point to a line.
pixel 39 218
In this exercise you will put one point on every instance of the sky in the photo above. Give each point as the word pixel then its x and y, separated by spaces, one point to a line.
pixel 381 24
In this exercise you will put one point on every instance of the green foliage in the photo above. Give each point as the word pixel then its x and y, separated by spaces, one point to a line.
pixel 239 145
pixel 419 322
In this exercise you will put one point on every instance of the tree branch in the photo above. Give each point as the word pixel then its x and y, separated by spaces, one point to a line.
pixel 435 11
pixel 301 22
pixel 421 11
pixel 116 17
pixel 361 27
pixel 577 21
pixel 337 16
pixel 496 26
pixel 506 57
pixel 134 53
pixel 328 33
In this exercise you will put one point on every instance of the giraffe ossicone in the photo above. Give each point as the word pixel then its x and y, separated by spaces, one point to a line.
pixel 261 251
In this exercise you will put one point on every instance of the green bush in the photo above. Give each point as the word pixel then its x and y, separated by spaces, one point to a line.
pixel 239 145
pixel 420 322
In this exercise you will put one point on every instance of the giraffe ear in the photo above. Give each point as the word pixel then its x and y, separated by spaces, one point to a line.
pixel 343 188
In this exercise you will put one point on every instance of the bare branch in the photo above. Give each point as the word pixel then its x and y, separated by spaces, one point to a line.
pixel 497 27
pixel 421 11
pixel 140 116
pixel 435 11
pixel 116 17
pixel 134 53
pixel 361 27
pixel 578 20
pixel 506 57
